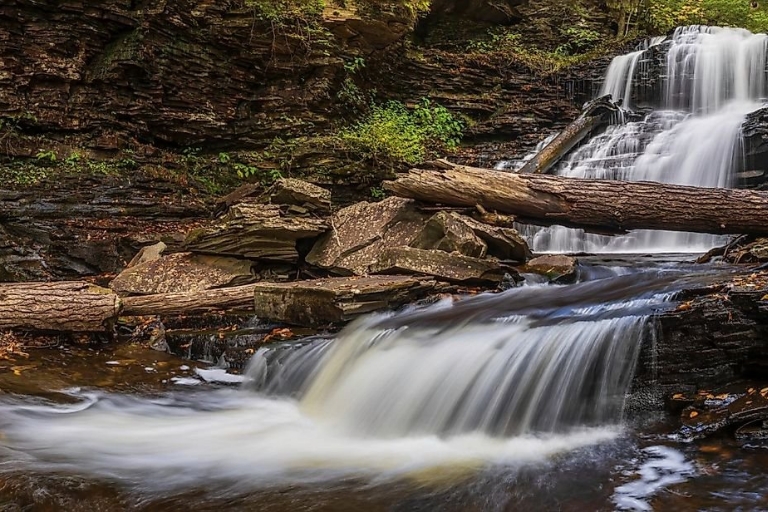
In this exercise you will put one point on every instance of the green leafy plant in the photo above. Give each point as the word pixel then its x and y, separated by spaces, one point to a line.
pixel 378 193
pixel 352 66
pixel 579 40
pixel 391 132
pixel 46 156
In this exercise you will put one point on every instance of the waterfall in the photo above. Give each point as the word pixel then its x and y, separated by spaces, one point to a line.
pixel 620 75
pixel 714 78
pixel 512 378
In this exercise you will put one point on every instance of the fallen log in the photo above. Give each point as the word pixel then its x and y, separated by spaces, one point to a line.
pixel 597 114
pixel 63 307
pixel 234 298
pixel 603 205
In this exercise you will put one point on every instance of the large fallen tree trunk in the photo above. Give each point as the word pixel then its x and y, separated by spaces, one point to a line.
pixel 64 307
pixel 596 115
pixel 602 205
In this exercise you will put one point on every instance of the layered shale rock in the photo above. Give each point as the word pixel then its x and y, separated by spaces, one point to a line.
pixel 335 300
pixel 256 231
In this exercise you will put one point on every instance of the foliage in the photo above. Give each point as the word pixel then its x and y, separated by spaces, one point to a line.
pixel 378 193
pixel 581 45
pixel 352 66
pixel 661 16
pixel 579 40
pixel 45 155
pixel 282 12
pixel 391 132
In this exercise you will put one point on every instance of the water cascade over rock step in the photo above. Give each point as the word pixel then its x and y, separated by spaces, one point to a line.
pixel 704 87
pixel 607 206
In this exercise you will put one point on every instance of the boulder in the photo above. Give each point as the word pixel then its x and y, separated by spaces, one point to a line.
pixel 445 231
pixel 558 268
pixel 359 233
pixel 182 272
pixel 503 243
pixel 259 231
pixel 451 267
pixel 334 300
pixel 300 193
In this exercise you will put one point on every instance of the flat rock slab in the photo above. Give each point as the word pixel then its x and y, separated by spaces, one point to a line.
pixel 335 300
pixel 182 272
pixel 451 267
pixel 360 232
pixel 258 231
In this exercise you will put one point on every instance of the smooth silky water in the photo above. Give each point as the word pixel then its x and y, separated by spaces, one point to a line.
pixel 714 77
pixel 510 401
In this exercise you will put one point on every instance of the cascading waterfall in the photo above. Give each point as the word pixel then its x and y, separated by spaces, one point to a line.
pixel 714 78
pixel 511 378
pixel 619 76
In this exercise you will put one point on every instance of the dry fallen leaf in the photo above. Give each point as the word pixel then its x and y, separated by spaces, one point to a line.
pixel 693 414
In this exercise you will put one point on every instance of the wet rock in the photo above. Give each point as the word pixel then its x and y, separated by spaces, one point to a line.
pixel 558 268
pixel 743 249
pixel 302 194
pixel 445 231
pixel 714 337
pixel 335 300
pixel 182 272
pixel 712 413
pixel 256 231
pixel 359 233
pixel 147 254
pixel 451 267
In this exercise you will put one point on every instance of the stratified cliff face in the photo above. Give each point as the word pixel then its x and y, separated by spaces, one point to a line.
pixel 175 71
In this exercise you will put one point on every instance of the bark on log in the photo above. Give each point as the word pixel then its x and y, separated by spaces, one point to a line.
pixel 237 297
pixel 603 205
pixel 64 307
pixel 596 114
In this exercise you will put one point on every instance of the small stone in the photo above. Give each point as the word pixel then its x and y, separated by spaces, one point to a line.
pixel 148 253
pixel 558 268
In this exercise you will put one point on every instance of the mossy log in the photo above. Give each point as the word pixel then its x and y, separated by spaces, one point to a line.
pixel 599 205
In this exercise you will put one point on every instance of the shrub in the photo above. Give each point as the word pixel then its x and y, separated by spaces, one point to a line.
pixel 391 132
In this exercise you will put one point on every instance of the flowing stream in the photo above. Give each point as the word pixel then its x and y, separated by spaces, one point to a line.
pixel 713 78
pixel 432 394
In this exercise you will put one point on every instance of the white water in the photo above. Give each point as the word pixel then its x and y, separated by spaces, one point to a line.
pixel 619 76
pixel 529 378
pixel 715 77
